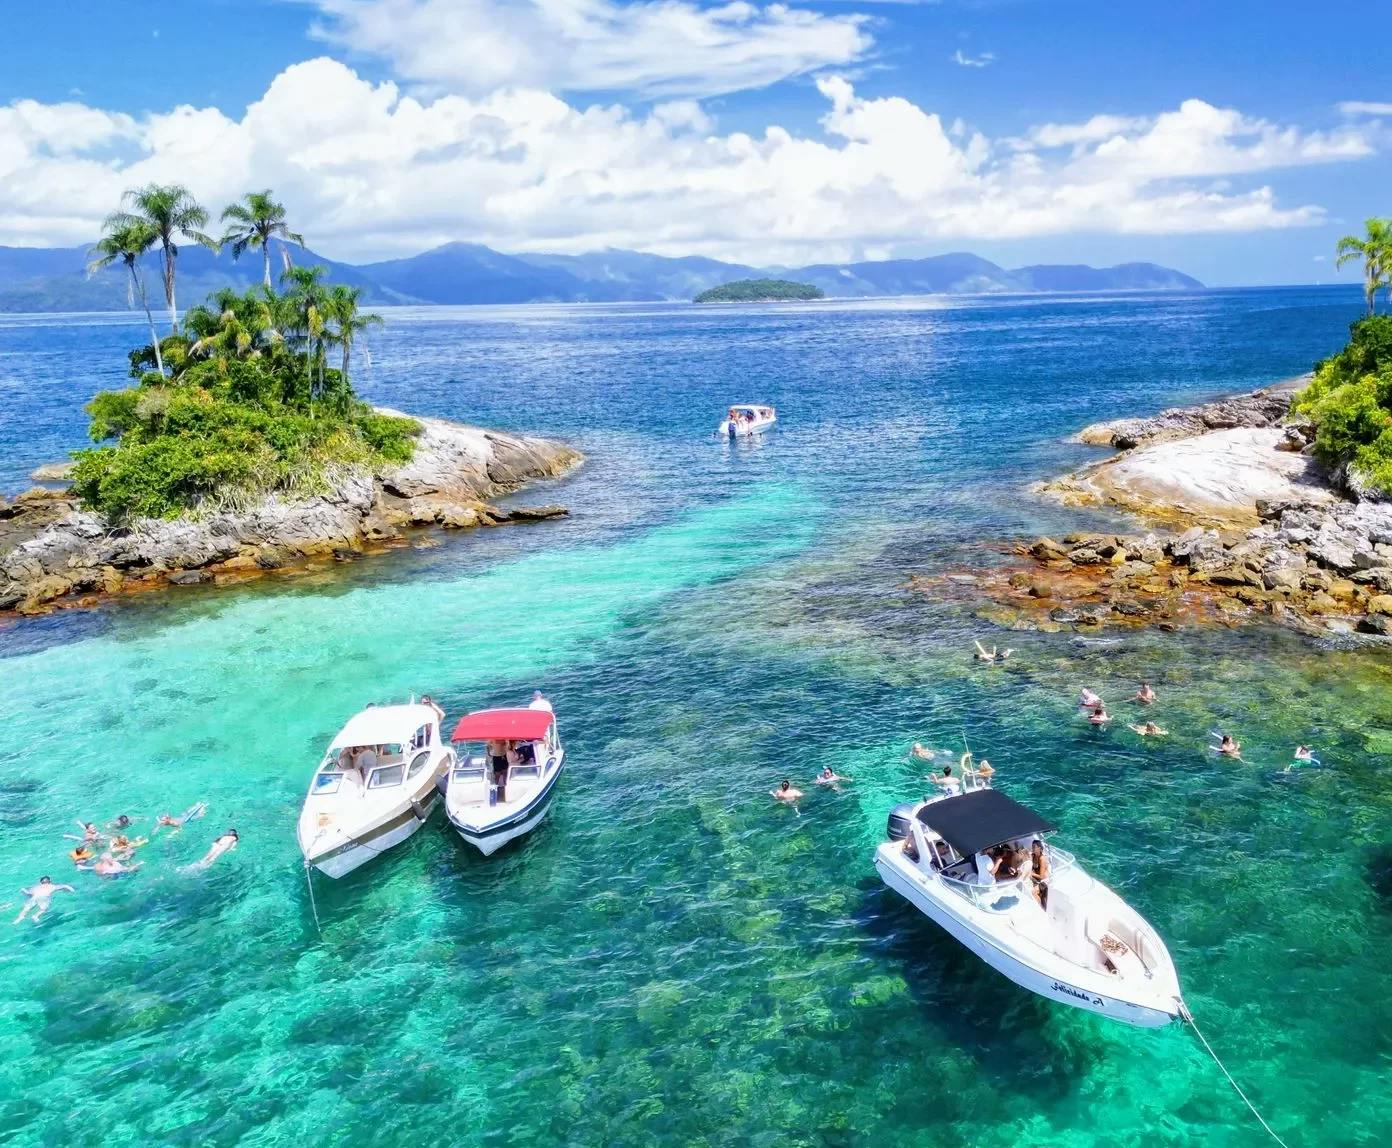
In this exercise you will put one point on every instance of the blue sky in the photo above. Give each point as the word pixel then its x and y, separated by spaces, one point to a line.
pixel 1235 141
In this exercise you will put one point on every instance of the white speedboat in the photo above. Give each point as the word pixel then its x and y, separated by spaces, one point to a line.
pixel 501 786
pixel 375 787
pixel 1083 946
pixel 746 419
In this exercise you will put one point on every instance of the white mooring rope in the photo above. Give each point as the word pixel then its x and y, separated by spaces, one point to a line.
pixel 1189 1017
pixel 313 908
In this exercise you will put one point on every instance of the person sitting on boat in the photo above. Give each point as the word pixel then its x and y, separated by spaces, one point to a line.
pixel 910 849
pixel 523 753
pixel 1039 873
pixel 1150 729
pixel 1230 748
pixel 952 785
pixel 540 702
pixel 786 791
pixel 1007 863
pixel 1145 695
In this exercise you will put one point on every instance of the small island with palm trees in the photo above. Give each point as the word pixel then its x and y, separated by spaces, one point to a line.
pixel 242 446
pixel 760 291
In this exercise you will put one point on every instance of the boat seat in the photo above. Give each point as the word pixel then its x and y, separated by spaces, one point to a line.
pixel 1127 964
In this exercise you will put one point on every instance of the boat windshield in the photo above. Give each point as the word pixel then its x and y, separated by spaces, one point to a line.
pixel 386 777
pixel 328 781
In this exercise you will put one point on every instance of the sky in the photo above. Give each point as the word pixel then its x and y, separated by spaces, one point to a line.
pixel 1234 141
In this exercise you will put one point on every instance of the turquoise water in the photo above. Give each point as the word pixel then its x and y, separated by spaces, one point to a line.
pixel 672 958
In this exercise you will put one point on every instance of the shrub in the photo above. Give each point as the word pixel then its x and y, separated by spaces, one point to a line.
pixel 1350 403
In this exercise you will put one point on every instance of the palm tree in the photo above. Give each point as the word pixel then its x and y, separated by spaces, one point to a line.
pixel 342 308
pixel 255 222
pixel 128 245
pixel 1375 249
pixel 304 318
pixel 169 211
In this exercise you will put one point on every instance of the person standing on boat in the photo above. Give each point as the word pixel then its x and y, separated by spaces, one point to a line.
pixel 497 751
pixel 1039 873
pixel 540 702
pixel 40 897
pixel 427 700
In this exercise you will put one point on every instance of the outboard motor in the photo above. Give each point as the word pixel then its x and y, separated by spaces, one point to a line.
pixel 900 818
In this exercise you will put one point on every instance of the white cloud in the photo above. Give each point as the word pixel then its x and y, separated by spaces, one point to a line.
pixel 654 47
pixel 1357 108
pixel 982 61
pixel 368 171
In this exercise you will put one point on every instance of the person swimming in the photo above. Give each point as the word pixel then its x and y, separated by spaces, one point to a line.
pixel 192 813
pixel 82 854
pixel 1150 729
pixel 786 791
pixel 40 897
pixel 1145 695
pixel 1089 700
pixel 91 835
pixel 1099 716
pixel 1228 747
pixel 992 656
pixel 109 866
pixel 224 844
pixel 829 776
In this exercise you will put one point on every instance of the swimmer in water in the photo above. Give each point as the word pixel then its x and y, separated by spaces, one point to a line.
pixel 1089 700
pixel 81 855
pixel 921 752
pixel 1302 753
pixel 985 771
pixel 40 896
pixel 830 777
pixel 992 656
pixel 1230 748
pixel 1150 729
pixel 1099 716
pixel 123 848
pixel 224 844
pixel 109 866
pixel 786 791
pixel 192 813
pixel 1145 695
pixel 91 835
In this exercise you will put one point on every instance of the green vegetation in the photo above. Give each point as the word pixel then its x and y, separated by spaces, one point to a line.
pixel 255 222
pixel 759 291
pixel 1350 403
pixel 239 400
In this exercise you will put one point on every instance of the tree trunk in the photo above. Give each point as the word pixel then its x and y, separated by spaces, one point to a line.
pixel 169 287
pixel 149 318
pixel 266 260
pixel 1370 291
pixel 347 350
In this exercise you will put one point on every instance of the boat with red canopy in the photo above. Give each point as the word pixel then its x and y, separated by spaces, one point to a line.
pixel 504 777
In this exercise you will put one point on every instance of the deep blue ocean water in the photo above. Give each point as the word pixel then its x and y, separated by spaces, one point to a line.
pixel 671 958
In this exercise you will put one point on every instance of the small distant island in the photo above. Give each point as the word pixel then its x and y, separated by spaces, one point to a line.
pixel 759 291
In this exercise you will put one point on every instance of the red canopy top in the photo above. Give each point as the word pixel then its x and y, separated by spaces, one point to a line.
pixel 504 725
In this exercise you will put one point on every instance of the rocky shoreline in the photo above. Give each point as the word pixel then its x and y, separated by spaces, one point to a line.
pixel 53 554
pixel 1247 525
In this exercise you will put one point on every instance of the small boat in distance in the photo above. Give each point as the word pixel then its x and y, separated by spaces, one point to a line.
pixel 1078 943
pixel 374 788
pixel 501 786
pixel 746 419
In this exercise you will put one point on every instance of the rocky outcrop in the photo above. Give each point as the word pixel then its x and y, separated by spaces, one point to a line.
pixel 52 552
pixel 1263 408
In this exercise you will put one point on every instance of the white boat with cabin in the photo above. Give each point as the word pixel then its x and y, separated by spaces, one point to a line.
pixel 1080 944
pixel 376 785
pixel 746 419
pixel 504 779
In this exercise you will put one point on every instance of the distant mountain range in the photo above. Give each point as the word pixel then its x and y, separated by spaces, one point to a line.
pixel 53 279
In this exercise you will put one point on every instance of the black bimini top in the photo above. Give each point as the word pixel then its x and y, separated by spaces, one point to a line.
pixel 973 822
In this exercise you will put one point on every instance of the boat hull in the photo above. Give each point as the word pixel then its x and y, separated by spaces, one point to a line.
pixel 357 850
pixel 488 837
pixel 1054 984
pixel 743 429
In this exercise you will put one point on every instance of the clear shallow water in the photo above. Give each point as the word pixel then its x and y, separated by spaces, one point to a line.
pixel 669 957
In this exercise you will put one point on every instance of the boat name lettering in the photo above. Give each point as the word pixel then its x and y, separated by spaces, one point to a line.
pixel 1072 992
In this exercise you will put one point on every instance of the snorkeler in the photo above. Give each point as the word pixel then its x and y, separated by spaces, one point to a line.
pixel 192 813
pixel 224 844
pixel 40 896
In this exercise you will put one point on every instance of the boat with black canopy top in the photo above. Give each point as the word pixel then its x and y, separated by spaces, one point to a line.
pixel 965 860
